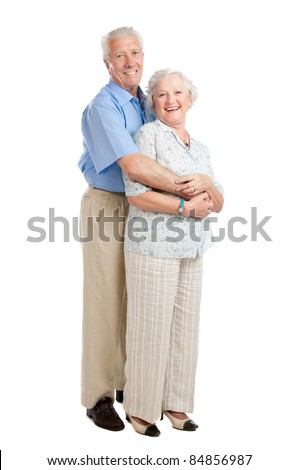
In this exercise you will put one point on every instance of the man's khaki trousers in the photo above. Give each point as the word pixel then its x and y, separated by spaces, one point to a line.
pixel 104 294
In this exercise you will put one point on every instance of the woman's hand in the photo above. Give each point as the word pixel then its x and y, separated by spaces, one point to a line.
pixel 191 185
pixel 199 206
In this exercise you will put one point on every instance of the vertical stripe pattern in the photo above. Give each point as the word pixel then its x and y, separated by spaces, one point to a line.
pixel 162 334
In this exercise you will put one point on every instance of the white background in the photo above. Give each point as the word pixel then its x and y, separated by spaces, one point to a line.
pixel 243 57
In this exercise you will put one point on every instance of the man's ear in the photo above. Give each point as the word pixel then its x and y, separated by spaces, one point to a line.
pixel 108 64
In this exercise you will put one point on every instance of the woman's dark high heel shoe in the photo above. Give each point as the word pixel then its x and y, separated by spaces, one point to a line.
pixel 182 424
pixel 145 429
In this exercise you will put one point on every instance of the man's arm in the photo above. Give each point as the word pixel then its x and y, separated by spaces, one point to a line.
pixel 107 139
pixel 140 168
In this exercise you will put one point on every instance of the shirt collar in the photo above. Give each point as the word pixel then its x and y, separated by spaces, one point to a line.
pixel 141 96
pixel 166 128
pixel 122 95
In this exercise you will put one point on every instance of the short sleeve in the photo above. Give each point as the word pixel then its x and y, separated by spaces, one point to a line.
pixel 105 134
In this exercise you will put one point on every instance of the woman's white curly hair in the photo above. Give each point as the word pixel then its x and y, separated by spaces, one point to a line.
pixel 163 73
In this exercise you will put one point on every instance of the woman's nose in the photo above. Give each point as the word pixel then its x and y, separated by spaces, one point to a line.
pixel 170 99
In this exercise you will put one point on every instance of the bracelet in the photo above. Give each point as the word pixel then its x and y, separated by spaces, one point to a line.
pixel 181 207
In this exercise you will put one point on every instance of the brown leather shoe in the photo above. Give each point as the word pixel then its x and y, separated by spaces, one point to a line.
pixel 104 415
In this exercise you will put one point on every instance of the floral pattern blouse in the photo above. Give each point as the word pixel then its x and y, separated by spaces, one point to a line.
pixel 159 234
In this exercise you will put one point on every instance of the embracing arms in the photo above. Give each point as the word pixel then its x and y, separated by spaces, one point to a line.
pixel 140 168
pixel 153 201
pixel 201 183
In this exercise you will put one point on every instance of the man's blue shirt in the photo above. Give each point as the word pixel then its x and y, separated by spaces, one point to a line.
pixel 108 125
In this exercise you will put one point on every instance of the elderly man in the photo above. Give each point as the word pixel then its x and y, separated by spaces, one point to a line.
pixel 108 124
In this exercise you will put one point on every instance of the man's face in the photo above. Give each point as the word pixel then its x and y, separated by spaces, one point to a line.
pixel 125 65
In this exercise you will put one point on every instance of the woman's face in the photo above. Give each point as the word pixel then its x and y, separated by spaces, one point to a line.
pixel 171 100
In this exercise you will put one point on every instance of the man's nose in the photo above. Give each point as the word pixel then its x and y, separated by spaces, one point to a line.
pixel 129 62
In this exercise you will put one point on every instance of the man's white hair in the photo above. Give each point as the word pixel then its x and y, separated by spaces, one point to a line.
pixel 116 34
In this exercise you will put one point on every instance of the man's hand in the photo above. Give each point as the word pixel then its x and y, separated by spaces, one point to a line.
pixel 191 185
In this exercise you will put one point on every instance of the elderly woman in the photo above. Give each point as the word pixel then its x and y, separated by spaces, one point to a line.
pixel 166 237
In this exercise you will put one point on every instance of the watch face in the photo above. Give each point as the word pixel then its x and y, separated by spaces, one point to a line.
pixel 181 210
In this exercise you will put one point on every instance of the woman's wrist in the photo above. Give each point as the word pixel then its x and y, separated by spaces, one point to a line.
pixel 187 208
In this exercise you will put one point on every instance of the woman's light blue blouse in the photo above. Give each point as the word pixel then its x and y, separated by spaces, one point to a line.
pixel 159 234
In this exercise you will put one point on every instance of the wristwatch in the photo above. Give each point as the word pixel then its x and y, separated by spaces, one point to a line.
pixel 181 207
